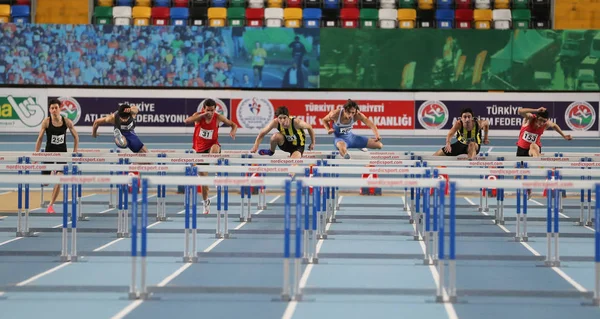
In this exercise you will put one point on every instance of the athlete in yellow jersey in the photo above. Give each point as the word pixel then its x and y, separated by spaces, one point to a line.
pixel 290 138
pixel 468 136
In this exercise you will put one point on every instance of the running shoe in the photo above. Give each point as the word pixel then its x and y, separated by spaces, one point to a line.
pixel 266 152
pixel 207 206
pixel 50 210
pixel 347 156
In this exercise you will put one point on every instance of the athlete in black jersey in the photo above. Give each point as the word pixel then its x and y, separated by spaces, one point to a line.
pixel 55 127
pixel 123 121
pixel 468 136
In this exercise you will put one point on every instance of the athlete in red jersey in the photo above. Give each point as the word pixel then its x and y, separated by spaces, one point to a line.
pixel 534 125
pixel 206 136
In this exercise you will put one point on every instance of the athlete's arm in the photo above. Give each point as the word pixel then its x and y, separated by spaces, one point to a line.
pixel 370 124
pixel 485 124
pixel 194 118
pixel 262 134
pixel 227 121
pixel 38 143
pixel 75 135
pixel 328 118
pixel 305 126
pixel 526 112
pixel 557 128
pixel 110 119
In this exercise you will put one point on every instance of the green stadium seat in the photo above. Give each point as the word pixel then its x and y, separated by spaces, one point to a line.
pixel 406 4
pixel 521 18
pixel 369 18
pixel 237 3
pixel 236 16
pixel 520 4
pixel 103 15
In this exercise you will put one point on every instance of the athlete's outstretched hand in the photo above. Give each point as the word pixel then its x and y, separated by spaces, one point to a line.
pixel 95 134
pixel 448 148
pixel 330 131
pixel 254 149
pixel 541 109
pixel 486 141
pixel 232 134
pixel 568 137
pixel 311 147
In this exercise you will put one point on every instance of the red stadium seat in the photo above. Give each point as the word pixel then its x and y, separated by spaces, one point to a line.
pixel 350 4
pixel 464 4
pixel 181 3
pixel 255 17
pixel 160 16
pixel 294 3
pixel 463 18
pixel 349 17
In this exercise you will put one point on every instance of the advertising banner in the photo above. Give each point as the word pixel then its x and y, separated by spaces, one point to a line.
pixel 153 112
pixel 503 115
pixel 23 113
pixel 255 113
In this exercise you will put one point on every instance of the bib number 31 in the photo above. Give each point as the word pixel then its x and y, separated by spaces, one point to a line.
pixel 207 134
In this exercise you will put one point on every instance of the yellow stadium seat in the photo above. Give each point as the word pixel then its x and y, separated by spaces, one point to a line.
pixel 501 4
pixel 482 18
pixel 407 18
pixel 141 15
pixel 426 4
pixel 292 17
pixel 216 17
pixel 275 4
pixel 4 13
pixel 106 3
pixel 143 3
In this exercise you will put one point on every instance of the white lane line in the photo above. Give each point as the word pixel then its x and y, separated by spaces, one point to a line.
pixel 292 305
pixel 270 202
pixel 127 309
pixel 470 201
pixel 40 275
pixel 119 239
pixel 5 193
pixel 10 241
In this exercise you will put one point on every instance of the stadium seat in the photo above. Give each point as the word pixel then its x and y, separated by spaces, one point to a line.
pixel 236 16
pixel 292 17
pixel 274 4
pixel 520 4
pixel 5 13
pixel 20 14
pixel 426 19
pixel 482 18
pixel 180 16
pixel 217 17
pixel 483 4
pixel 199 3
pixel 311 18
pixel 445 4
pixel 103 15
pixel 160 15
pixel 122 15
pixel 330 18
pixel 294 4
pixel 350 3
pixel 501 4
pixel 406 4
pixel 198 16
pixel 7 2
pixel 312 3
pixel 463 18
pixel 141 15
pixel 463 4
pixel 161 3
pixel 331 4
pixel 426 4
pixel 388 18
pixel 255 17
pixel 444 18
pixel 387 4
pixel 106 3
pixel 502 19
pixel 368 4
pixel 144 3
pixel 237 3
pixel 256 4
pixel 274 17
pixel 181 3
pixel 368 18
pixel 521 18
pixel 22 2
pixel 540 18
pixel 218 4
pixel 349 17
pixel 124 3
pixel 407 18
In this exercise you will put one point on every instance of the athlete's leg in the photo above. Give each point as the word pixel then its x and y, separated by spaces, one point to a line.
pixel 473 149
pixel 296 154
pixel 342 147
pixel 214 149
pixel 55 193
pixel 277 139
pixel 373 144
pixel 534 150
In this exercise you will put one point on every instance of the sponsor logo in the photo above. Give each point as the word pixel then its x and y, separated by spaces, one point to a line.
pixel 221 108
pixel 580 116
pixel 433 115
pixel 254 113
pixel 83 180
pixel 70 108
pixel 18 111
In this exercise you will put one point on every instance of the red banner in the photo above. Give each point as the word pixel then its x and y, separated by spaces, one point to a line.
pixel 255 113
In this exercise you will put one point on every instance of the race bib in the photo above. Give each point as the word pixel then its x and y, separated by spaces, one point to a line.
pixel 345 130
pixel 290 138
pixel 206 134
pixel 57 139
pixel 530 137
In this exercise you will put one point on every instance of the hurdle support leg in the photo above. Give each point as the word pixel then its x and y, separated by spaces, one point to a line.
pixel 43 203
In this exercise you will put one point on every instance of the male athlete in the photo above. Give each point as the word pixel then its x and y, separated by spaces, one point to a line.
pixel 55 126
pixel 290 138
pixel 534 124
pixel 206 136
pixel 124 128
pixel 343 120
pixel 468 136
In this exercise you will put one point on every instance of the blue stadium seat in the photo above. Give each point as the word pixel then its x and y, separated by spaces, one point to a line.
pixel 124 3
pixel 162 3
pixel 219 3
pixel 20 14
pixel 445 18
pixel 445 4
pixel 331 4
pixel 180 16
pixel 311 17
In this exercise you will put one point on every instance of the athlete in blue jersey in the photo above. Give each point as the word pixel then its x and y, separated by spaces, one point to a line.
pixel 124 128
pixel 343 119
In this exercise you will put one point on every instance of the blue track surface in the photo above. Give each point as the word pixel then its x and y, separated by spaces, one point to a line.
pixel 368 267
